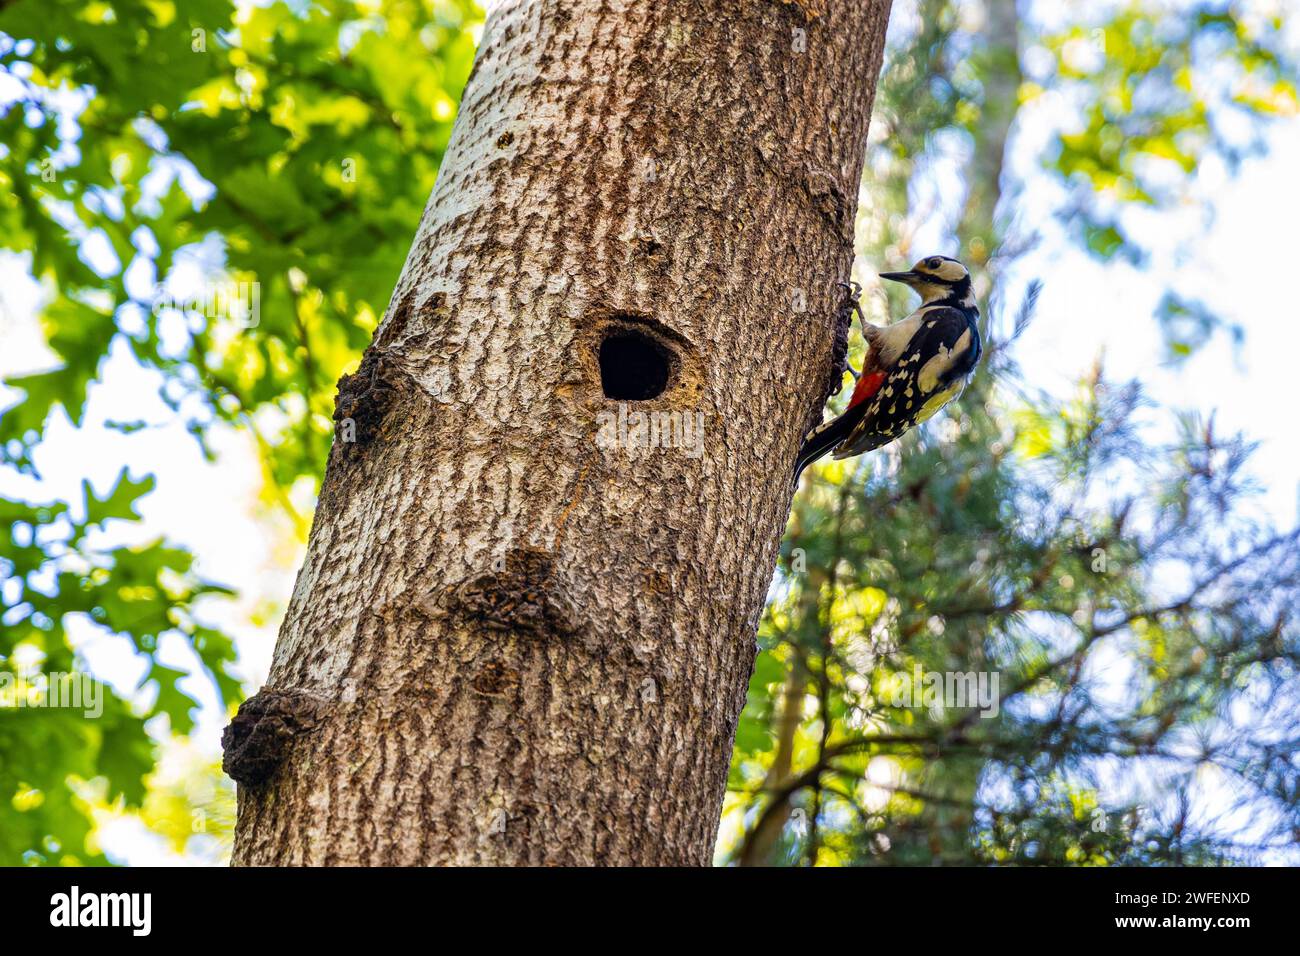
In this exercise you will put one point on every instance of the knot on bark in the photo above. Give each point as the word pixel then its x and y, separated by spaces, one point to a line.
pixel 523 595
pixel 495 679
pixel 366 397
pixel 257 740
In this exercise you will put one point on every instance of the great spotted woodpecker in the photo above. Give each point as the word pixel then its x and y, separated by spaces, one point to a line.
pixel 913 367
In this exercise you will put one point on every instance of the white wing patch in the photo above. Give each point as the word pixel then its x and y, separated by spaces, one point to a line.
pixel 888 342
pixel 933 370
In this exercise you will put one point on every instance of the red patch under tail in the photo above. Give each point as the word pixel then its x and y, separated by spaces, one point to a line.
pixel 867 386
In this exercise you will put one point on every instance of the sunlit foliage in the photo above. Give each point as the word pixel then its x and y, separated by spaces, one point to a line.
pixel 154 150
pixel 1110 570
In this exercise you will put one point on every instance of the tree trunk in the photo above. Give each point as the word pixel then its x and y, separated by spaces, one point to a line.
pixel 520 636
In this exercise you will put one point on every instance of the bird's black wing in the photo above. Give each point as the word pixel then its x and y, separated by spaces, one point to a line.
pixel 930 372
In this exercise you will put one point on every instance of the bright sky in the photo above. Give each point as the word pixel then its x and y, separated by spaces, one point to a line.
pixel 1085 306
pixel 1235 268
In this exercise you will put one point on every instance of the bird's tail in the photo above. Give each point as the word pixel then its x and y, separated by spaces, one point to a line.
pixel 821 440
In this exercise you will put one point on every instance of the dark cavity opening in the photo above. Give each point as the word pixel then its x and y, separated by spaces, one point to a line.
pixel 633 366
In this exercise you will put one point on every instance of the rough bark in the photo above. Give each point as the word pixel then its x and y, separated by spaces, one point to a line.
pixel 510 643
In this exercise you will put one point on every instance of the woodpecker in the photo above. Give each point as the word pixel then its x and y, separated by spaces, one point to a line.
pixel 913 368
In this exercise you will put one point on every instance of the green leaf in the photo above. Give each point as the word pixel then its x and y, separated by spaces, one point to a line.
pixel 172 701
pixel 120 501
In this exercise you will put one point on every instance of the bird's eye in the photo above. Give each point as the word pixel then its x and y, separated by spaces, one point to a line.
pixel 932 264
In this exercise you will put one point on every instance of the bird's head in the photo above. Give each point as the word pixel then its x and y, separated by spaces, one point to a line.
pixel 937 279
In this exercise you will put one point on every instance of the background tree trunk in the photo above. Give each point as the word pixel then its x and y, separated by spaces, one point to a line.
pixel 511 643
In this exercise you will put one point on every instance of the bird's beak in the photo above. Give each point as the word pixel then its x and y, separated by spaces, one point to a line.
pixel 907 278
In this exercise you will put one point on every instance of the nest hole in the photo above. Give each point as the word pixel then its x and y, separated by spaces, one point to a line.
pixel 633 366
